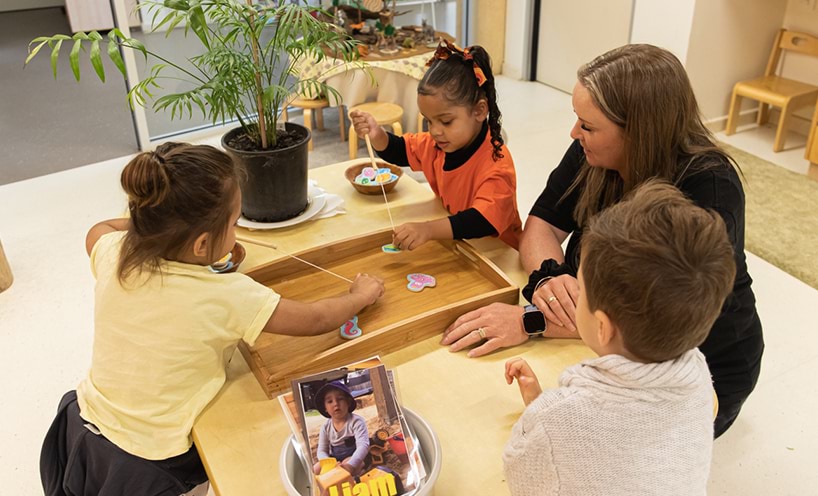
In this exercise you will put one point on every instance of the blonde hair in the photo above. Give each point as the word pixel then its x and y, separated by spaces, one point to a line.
pixel 645 90
pixel 175 194
pixel 660 267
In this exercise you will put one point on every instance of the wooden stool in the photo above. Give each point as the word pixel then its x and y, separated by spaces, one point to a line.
pixel 385 114
pixel 6 278
pixel 308 106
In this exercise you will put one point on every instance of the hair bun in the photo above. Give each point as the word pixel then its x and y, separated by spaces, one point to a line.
pixel 145 180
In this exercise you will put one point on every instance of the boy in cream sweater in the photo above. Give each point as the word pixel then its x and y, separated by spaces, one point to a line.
pixel 655 271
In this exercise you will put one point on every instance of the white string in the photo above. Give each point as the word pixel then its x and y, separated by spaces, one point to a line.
pixel 274 247
pixel 375 167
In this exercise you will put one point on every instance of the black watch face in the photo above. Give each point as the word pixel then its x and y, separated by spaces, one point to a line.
pixel 534 321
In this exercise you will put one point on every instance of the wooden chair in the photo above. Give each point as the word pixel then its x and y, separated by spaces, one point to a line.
pixel 318 105
pixel 771 89
pixel 385 114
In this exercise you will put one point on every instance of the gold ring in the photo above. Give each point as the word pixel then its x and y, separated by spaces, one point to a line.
pixel 481 332
pixel 550 299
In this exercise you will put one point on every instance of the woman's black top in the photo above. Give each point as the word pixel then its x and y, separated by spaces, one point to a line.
pixel 715 187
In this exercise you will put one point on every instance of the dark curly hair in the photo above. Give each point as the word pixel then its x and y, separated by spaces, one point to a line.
pixel 455 75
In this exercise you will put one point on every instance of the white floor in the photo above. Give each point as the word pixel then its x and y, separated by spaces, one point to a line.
pixel 46 316
pixel 759 141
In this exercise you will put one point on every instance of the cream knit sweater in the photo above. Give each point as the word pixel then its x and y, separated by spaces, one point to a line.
pixel 617 427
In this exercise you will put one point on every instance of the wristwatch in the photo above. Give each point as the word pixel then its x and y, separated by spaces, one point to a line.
pixel 534 322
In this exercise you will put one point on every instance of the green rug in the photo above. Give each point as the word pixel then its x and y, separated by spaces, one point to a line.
pixel 781 217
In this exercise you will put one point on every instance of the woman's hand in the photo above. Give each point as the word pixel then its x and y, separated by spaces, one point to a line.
pixel 530 388
pixel 500 325
pixel 557 299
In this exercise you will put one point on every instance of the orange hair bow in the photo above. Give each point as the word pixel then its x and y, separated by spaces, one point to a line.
pixel 445 49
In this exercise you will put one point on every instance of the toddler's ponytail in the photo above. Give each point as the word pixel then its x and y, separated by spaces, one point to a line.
pixel 175 194
pixel 481 58
pixel 145 180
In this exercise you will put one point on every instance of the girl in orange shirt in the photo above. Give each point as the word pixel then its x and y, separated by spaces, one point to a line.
pixel 462 155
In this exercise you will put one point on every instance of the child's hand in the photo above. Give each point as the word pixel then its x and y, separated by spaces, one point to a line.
pixel 369 286
pixel 365 124
pixel 346 466
pixel 411 235
pixel 517 368
pixel 316 469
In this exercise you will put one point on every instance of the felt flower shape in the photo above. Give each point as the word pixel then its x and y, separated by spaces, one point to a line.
pixel 419 281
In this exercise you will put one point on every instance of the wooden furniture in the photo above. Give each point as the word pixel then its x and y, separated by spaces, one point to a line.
pixel 771 89
pixel 317 105
pixel 386 78
pixel 373 188
pixel 466 401
pixel 6 277
pixel 465 281
pixel 385 114
pixel 811 152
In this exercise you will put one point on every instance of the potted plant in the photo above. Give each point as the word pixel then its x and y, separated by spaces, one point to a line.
pixel 247 73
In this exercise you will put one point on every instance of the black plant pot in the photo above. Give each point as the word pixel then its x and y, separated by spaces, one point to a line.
pixel 277 180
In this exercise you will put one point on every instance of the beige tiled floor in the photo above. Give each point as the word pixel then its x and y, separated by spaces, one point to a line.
pixel 46 316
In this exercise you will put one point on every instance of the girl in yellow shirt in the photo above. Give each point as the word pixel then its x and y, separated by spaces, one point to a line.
pixel 165 325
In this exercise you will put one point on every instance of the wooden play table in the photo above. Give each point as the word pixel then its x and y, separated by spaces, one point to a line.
pixel 466 401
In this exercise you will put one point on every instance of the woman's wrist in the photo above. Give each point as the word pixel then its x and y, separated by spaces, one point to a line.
pixel 542 282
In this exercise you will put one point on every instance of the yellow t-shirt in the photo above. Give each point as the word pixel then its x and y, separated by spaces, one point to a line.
pixel 160 348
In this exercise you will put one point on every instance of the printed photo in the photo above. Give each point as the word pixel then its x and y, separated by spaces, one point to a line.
pixel 354 435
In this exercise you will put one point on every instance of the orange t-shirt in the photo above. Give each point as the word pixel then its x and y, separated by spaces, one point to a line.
pixel 481 183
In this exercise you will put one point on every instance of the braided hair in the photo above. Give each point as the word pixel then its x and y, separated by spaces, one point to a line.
pixel 455 75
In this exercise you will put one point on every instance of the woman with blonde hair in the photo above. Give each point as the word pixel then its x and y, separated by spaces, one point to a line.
pixel 637 119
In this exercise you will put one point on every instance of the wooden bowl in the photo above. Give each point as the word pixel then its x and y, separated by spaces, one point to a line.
pixel 374 188
pixel 238 255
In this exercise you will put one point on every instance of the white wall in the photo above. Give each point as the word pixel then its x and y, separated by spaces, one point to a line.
pixel 719 41
pixel 518 49
pixel 7 5
pixel 729 41
pixel 664 24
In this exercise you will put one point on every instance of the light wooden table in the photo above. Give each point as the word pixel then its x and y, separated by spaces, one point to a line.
pixel 466 401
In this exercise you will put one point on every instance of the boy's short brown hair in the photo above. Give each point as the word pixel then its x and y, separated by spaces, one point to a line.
pixel 660 267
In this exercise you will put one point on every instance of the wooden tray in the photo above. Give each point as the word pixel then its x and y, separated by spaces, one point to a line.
pixel 465 281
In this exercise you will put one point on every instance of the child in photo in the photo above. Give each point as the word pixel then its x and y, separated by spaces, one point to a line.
pixel 165 326
pixel 462 155
pixel 654 273
pixel 344 436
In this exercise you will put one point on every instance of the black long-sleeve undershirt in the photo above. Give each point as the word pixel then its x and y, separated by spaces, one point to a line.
pixel 469 223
